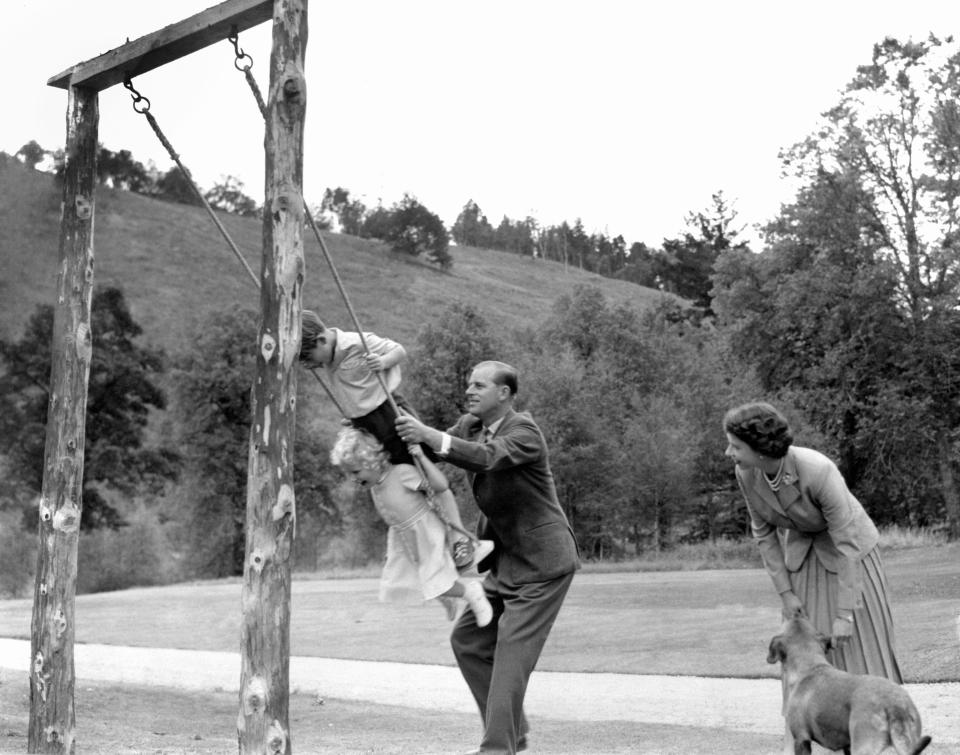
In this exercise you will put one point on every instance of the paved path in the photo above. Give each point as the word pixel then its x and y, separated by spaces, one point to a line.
pixel 748 705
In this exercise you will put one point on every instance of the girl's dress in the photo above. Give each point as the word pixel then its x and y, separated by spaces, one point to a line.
pixel 418 564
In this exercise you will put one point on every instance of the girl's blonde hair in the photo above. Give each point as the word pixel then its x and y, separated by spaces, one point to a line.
pixel 357 447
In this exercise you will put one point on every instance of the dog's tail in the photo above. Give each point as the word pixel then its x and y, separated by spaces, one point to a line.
pixel 904 727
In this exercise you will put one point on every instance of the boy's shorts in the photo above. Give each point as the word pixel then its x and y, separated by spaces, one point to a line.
pixel 381 423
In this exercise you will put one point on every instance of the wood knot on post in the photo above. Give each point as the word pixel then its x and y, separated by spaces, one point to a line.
pixel 293 91
pixel 280 206
pixel 268 347
pixel 276 738
pixel 285 504
pixel 45 513
pixel 84 208
pixel 83 343
pixel 43 588
pixel 39 680
pixel 52 734
pixel 255 696
pixel 256 561
pixel 59 623
pixel 67 519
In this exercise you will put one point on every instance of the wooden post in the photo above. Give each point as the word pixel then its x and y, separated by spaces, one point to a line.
pixel 263 720
pixel 52 717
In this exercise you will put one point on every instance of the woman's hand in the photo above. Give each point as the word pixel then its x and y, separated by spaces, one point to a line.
pixel 792 607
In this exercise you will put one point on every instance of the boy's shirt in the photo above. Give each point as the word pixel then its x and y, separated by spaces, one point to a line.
pixel 354 386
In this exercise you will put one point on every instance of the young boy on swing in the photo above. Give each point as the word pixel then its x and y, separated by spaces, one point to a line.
pixel 418 564
pixel 351 376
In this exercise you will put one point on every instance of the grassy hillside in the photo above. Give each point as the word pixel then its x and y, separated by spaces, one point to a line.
pixel 175 268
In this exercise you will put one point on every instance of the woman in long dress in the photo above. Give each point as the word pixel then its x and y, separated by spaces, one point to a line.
pixel 818 543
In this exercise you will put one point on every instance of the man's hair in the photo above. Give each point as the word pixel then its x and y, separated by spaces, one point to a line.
pixel 312 328
pixel 355 446
pixel 503 374
pixel 761 427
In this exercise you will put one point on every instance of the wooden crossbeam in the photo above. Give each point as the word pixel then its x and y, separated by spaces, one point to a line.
pixel 168 44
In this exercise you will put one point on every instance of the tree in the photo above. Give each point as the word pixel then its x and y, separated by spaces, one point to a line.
pixel 895 134
pixel 414 230
pixel 175 187
pixel 686 263
pixel 445 354
pixel 213 378
pixel 32 154
pixel 121 395
pixel 471 227
pixel 377 223
pixel 228 195
pixel 350 213
pixel 122 171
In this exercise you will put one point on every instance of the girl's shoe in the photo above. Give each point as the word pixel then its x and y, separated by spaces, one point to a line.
pixel 476 598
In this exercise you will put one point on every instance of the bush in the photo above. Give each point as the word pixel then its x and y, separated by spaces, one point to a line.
pixel 894 536
pixel 18 556
pixel 133 556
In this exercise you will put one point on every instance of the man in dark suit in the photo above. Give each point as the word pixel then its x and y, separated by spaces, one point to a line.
pixel 532 565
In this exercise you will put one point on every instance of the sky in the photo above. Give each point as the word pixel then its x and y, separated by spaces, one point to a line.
pixel 626 114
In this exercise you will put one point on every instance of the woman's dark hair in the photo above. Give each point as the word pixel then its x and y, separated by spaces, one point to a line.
pixel 761 427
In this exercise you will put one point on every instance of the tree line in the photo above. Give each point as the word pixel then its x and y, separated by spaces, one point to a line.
pixel 847 319
pixel 407 226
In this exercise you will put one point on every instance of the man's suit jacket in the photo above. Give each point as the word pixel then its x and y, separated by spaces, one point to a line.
pixel 815 509
pixel 514 489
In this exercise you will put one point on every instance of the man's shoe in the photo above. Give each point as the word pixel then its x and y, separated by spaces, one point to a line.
pixel 521 745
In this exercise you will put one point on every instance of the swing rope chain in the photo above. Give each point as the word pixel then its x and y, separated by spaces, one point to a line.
pixel 240 65
pixel 244 62
pixel 145 111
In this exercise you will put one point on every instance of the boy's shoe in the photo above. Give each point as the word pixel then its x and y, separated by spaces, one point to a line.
pixel 476 598
pixel 483 549
pixel 462 553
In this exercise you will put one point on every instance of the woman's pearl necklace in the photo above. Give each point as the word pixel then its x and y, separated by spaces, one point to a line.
pixel 777 480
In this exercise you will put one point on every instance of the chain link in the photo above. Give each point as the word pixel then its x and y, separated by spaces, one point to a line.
pixel 241 56
pixel 136 96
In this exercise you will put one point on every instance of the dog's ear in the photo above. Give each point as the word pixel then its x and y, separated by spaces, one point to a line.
pixel 777 651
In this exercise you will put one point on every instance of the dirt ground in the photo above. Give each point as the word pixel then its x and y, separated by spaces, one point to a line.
pixel 132 719
pixel 152 700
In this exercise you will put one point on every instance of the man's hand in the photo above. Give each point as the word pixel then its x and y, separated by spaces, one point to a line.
pixel 412 430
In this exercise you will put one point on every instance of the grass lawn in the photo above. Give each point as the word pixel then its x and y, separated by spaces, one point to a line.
pixel 707 623
pixel 714 623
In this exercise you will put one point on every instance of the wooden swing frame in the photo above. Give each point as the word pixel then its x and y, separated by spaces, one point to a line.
pixel 263 720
